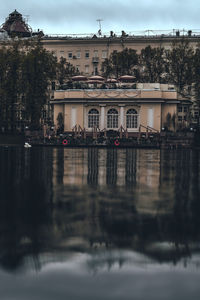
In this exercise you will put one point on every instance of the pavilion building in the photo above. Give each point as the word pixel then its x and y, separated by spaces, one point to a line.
pixel 134 110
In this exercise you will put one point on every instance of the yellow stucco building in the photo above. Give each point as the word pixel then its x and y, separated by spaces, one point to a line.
pixel 87 53
pixel 133 110
pixel 145 106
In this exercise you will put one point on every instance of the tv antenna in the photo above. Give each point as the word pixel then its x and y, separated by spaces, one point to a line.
pixel 99 21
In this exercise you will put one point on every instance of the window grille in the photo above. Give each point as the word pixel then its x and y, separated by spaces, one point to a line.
pixel 87 54
pixel 78 54
pixel 112 118
pixel 93 118
pixel 131 118
pixel 180 109
pixel 180 118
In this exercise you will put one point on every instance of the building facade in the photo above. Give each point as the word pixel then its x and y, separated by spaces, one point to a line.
pixel 88 53
pixel 133 110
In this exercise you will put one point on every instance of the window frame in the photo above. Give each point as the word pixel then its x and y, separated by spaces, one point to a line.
pixel 180 118
pixel 87 69
pixel 70 55
pixel 106 54
pixel 180 109
pixel 131 118
pixel 78 54
pixel 87 54
pixel 93 118
pixel 112 118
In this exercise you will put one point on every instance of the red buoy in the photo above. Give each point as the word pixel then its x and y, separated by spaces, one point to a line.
pixel 116 142
pixel 65 142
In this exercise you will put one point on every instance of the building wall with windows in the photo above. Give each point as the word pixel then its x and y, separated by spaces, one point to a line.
pixel 134 110
pixel 88 53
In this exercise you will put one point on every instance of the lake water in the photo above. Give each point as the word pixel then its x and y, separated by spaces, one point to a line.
pixel 99 224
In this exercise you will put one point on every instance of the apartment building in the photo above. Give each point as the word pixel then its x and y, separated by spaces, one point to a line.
pixel 87 53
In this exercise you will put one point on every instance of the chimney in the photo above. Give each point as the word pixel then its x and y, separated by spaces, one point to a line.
pixel 123 33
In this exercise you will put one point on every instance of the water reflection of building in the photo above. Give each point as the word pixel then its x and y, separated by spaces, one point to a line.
pixel 95 166
pixel 70 166
pixel 107 167
pixel 133 169
pixel 150 216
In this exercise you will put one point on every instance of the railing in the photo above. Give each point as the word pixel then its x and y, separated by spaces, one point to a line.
pixel 148 129
pixel 95 59
pixel 152 129
pixel 122 131
pixel 130 34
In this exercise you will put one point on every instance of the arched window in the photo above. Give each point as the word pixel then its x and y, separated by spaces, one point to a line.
pixel 131 118
pixel 112 118
pixel 93 118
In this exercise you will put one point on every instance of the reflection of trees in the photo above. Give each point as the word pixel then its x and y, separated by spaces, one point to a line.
pixel 25 180
pixel 182 175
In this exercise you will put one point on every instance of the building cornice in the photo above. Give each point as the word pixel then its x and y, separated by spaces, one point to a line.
pixel 100 101
pixel 116 40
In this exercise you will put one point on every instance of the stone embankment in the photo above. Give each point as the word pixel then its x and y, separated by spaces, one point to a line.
pixel 164 140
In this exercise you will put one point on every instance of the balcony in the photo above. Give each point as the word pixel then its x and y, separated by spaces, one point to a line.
pixel 95 60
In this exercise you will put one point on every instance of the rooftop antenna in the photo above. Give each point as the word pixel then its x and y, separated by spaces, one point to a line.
pixel 99 21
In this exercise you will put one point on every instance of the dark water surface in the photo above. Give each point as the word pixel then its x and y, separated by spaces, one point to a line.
pixel 99 224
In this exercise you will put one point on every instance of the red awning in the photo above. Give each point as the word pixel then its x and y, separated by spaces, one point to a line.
pixel 79 78
pixel 126 78
pixel 94 81
pixel 96 77
pixel 111 80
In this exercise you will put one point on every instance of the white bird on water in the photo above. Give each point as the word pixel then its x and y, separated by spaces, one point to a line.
pixel 27 145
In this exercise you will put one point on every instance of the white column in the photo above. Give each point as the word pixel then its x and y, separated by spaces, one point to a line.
pixel 150 117
pixel 121 120
pixel 102 117
pixel 66 118
pixel 73 117
pixel 85 120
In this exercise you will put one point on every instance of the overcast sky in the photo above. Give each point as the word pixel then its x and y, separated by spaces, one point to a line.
pixel 79 16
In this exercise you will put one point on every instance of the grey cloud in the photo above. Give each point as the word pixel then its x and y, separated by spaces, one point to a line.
pixel 66 284
pixel 80 15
